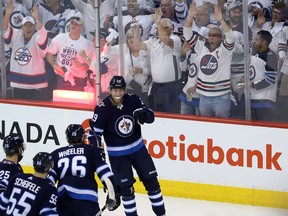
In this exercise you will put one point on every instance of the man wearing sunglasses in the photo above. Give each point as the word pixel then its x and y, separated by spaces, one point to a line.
pixel 69 65
pixel 214 75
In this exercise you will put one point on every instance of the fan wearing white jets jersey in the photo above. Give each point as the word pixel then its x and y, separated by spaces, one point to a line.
pixel 27 72
pixel 214 75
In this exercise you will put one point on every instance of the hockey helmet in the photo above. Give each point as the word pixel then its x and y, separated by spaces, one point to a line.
pixel 75 133
pixel 42 162
pixel 12 143
pixel 117 82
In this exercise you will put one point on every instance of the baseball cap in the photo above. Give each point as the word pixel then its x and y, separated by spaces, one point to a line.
pixel 203 31
pixel 77 17
pixel 28 19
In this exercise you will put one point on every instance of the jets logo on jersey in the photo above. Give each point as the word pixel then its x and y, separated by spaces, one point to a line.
pixel 124 126
pixel 23 56
pixel 16 19
pixel 208 64
pixel 192 70
pixel 252 72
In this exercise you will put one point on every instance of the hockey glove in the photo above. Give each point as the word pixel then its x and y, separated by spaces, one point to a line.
pixel 141 115
pixel 113 204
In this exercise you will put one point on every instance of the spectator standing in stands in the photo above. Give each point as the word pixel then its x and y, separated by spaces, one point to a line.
pixel 133 14
pixel 177 12
pixel 31 194
pixel 53 16
pixel 165 55
pixel 233 9
pixel 87 10
pixel 75 168
pixel 119 118
pixel 108 63
pixel 201 19
pixel 189 97
pixel 214 75
pixel 136 65
pixel 278 44
pixel 70 66
pixel 27 68
pixel 14 147
pixel 21 9
pixel 263 76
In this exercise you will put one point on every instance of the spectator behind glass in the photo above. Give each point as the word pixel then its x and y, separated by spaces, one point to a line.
pixel 165 55
pixel 136 66
pixel 27 68
pixel 87 10
pixel 214 75
pixel 275 27
pixel 190 62
pixel 233 10
pixel 134 13
pixel 71 68
pixel 53 16
pixel 263 76
pixel 108 63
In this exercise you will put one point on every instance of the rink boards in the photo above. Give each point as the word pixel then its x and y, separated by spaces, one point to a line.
pixel 229 161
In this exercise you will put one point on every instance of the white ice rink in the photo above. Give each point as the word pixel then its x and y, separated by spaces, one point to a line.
pixel 189 207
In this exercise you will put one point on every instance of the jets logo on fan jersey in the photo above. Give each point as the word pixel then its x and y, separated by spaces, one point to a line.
pixel 124 126
pixel 208 64
pixel 23 56
pixel 16 19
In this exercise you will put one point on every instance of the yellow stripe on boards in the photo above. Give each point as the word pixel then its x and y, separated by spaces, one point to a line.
pixel 218 193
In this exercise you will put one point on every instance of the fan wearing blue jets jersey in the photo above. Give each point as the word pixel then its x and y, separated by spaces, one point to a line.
pixel 118 118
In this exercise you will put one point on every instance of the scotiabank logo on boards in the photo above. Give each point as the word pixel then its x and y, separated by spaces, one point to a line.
pixel 213 154
pixel 197 153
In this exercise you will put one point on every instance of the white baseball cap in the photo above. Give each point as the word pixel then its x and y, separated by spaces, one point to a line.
pixel 28 19
pixel 77 17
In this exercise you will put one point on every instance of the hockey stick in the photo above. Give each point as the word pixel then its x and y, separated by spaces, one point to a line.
pixel 101 210
pixel 95 135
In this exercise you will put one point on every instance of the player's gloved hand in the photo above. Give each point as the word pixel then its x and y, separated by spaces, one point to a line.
pixel 141 116
pixel 113 204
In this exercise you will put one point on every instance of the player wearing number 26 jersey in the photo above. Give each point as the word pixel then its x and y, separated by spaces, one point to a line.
pixel 31 194
pixel 75 167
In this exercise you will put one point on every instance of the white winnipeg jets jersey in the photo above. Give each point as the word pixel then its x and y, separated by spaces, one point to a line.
pixel 27 67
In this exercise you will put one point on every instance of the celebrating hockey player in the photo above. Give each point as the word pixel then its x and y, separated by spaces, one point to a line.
pixel 31 194
pixel 75 166
pixel 14 147
pixel 118 118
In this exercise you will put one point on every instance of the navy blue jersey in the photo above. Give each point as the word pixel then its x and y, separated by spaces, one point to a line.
pixel 75 167
pixel 7 170
pixel 29 195
pixel 121 132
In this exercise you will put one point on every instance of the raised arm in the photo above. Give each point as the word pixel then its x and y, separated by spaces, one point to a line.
pixel 9 9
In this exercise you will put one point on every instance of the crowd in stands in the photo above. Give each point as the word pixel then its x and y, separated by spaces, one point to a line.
pixel 179 56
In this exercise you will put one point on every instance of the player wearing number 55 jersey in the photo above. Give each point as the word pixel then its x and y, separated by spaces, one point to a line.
pixel 75 166
pixel 31 194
